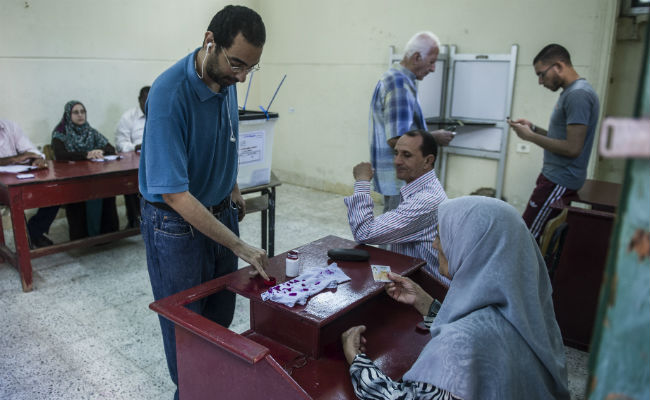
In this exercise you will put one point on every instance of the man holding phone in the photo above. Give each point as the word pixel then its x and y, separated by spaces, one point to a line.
pixel 568 140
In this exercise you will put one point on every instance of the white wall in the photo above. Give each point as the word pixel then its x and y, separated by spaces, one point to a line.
pixel 98 52
pixel 335 51
pixel 101 52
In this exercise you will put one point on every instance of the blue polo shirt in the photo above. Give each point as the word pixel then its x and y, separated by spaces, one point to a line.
pixel 187 142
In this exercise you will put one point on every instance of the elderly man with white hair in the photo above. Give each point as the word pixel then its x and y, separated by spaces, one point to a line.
pixel 395 109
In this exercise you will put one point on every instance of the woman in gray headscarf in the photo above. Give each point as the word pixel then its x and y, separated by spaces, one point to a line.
pixel 495 336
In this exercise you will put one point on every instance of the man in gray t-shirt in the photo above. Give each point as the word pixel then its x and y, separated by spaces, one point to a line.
pixel 567 143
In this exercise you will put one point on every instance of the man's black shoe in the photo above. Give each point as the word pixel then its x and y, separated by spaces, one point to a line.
pixel 41 241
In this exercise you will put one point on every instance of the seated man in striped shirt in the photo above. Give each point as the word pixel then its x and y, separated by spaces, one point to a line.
pixel 410 228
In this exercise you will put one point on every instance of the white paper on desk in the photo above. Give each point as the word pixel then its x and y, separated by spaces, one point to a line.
pixel 16 169
pixel 106 158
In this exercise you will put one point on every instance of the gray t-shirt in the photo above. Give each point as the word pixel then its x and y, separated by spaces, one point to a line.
pixel 578 104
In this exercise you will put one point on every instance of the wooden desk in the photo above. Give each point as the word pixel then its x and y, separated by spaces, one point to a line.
pixel 600 195
pixel 265 203
pixel 295 353
pixel 62 183
pixel 578 278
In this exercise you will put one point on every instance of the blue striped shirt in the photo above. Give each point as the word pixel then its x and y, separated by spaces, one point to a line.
pixel 394 109
pixel 410 228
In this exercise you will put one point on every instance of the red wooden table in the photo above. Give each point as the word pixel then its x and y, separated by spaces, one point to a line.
pixel 62 183
pixel 600 195
pixel 295 353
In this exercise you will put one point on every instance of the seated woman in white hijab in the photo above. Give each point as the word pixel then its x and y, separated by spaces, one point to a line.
pixel 495 336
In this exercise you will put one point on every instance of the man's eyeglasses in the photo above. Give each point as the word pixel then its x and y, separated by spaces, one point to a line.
pixel 541 74
pixel 238 70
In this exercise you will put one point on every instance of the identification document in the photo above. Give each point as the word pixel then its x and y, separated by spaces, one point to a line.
pixel 380 273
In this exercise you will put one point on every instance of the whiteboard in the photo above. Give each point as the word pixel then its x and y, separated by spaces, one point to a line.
pixel 430 90
pixel 478 138
pixel 480 90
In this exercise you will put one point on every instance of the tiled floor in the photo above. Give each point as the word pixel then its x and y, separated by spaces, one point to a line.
pixel 86 331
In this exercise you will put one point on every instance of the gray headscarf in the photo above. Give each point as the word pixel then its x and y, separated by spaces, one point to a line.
pixel 495 336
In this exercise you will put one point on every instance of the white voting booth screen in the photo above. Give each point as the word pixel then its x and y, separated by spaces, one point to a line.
pixel 478 138
pixel 479 93
pixel 430 91
pixel 480 90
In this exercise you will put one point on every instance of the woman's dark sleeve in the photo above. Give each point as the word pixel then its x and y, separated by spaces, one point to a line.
pixel 60 152
pixel 109 149
pixel 371 384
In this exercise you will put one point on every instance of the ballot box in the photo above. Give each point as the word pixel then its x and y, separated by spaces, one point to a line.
pixel 295 352
pixel 255 148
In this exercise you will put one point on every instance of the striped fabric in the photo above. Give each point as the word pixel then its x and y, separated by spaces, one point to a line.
pixel 542 216
pixel 410 228
pixel 371 384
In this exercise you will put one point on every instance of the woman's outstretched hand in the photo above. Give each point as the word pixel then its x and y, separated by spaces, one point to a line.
pixel 408 292
pixel 402 289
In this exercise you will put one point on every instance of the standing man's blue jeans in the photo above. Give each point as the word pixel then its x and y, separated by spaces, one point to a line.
pixel 180 257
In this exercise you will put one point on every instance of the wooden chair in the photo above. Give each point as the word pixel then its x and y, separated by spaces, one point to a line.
pixel 552 241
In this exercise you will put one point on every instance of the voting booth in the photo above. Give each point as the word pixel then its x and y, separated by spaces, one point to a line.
pixel 255 148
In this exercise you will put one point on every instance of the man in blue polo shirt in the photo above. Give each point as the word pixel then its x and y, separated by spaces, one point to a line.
pixel 188 169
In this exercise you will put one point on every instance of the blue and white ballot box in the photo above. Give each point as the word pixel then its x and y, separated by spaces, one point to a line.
pixel 255 148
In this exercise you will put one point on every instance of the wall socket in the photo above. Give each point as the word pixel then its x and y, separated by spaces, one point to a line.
pixel 523 148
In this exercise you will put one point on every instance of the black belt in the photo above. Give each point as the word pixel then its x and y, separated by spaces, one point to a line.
pixel 213 209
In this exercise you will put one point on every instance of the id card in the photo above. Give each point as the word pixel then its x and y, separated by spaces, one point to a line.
pixel 380 273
